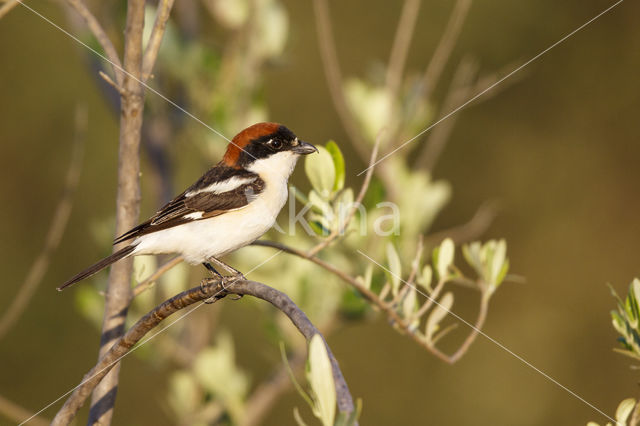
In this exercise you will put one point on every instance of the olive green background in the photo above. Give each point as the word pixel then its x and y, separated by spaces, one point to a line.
pixel 558 149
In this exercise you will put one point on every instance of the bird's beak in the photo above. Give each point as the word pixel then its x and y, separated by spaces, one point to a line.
pixel 304 148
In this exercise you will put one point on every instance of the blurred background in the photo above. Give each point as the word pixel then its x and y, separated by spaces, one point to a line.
pixel 556 147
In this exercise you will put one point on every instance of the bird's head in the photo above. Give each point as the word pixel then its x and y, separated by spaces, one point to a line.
pixel 264 147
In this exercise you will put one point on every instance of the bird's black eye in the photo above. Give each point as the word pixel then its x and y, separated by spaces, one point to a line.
pixel 275 143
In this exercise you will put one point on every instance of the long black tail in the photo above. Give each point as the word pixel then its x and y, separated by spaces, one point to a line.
pixel 122 253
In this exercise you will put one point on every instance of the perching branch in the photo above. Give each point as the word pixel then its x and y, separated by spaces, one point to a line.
pixel 118 293
pixel 210 288
pixel 100 35
pixel 56 230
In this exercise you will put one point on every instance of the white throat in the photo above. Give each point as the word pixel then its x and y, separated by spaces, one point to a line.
pixel 276 168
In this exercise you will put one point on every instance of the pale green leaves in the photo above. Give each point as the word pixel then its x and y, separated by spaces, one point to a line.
pixel 323 389
pixel 330 202
pixel 624 410
pixel 443 258
pixel 372 106
pixel 326 170
pixel 395 268
pixel 320 376
pixel 437 315
pixel 489 260
pixel 217 372
pixel 626 320
pixel 321 172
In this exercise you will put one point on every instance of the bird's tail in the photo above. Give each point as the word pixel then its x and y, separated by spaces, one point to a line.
pixel 120 254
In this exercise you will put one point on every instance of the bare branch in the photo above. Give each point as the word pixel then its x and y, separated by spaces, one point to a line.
pixel 112 83
pixel 8 6
pixel 334 76
pixel 118 294
pixel 475 227
pixel 56 229
pixel 445 46
pixel 210 288
pixel 460 91
pixel 16 413
pixel 100 35
pixel 401 43
pixel 144 285
pixel 155 39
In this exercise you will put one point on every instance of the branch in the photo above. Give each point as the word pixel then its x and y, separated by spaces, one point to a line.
pixel 17 414
pixel 8 6
pixel 118 293
pixel 445 46
pixel 401 43
pixel 56 229
pixel 402 324
pixel 475 227
pixel 100 35
pixel 460 91
pixel 210 288
pixel 153 46
pixel 334 77
pixel 144 285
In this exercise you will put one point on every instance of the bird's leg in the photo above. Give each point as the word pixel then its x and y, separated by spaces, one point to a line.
pixel 235 274
pixel 213 270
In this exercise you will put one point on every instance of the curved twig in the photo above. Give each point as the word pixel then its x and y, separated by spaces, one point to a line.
pixel 100 35
pixel 210 288
pixel 56 230
pixel 401 43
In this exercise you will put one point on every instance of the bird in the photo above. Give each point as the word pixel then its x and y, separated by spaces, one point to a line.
pixel 233 204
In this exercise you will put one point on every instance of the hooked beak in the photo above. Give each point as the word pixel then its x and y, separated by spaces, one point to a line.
pixel 304 148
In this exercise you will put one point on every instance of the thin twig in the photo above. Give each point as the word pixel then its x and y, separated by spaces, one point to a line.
pixel 334 76
pixel 401 43
pixel 475 227
pixel 100 35
pixel 460 90
pixel 16 413
pixel 445 46
pixel 112 83
pixel 144 285
pixel 155 39
pixel 8 6
pixel 354 208
pixel 209 289
pixel 56 229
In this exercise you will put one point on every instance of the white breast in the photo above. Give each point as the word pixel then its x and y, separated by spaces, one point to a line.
pixel 214 237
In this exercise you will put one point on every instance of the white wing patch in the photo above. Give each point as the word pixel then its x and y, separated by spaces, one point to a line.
pixel 223 186
pixel 194 216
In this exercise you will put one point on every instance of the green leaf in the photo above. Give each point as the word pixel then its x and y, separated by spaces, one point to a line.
pixel 321 381
pixel 445 258
pixel 624 410
pixel 338 164
pixel 395 268
pixel 321 172
pixel 424 279
pixel 439 312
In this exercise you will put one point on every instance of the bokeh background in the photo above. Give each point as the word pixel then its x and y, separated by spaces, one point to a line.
pixel 558 149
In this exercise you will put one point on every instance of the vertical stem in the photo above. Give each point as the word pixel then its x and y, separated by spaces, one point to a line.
pixel 118 294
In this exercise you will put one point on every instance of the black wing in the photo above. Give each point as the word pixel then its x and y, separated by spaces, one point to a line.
pixel 220 190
